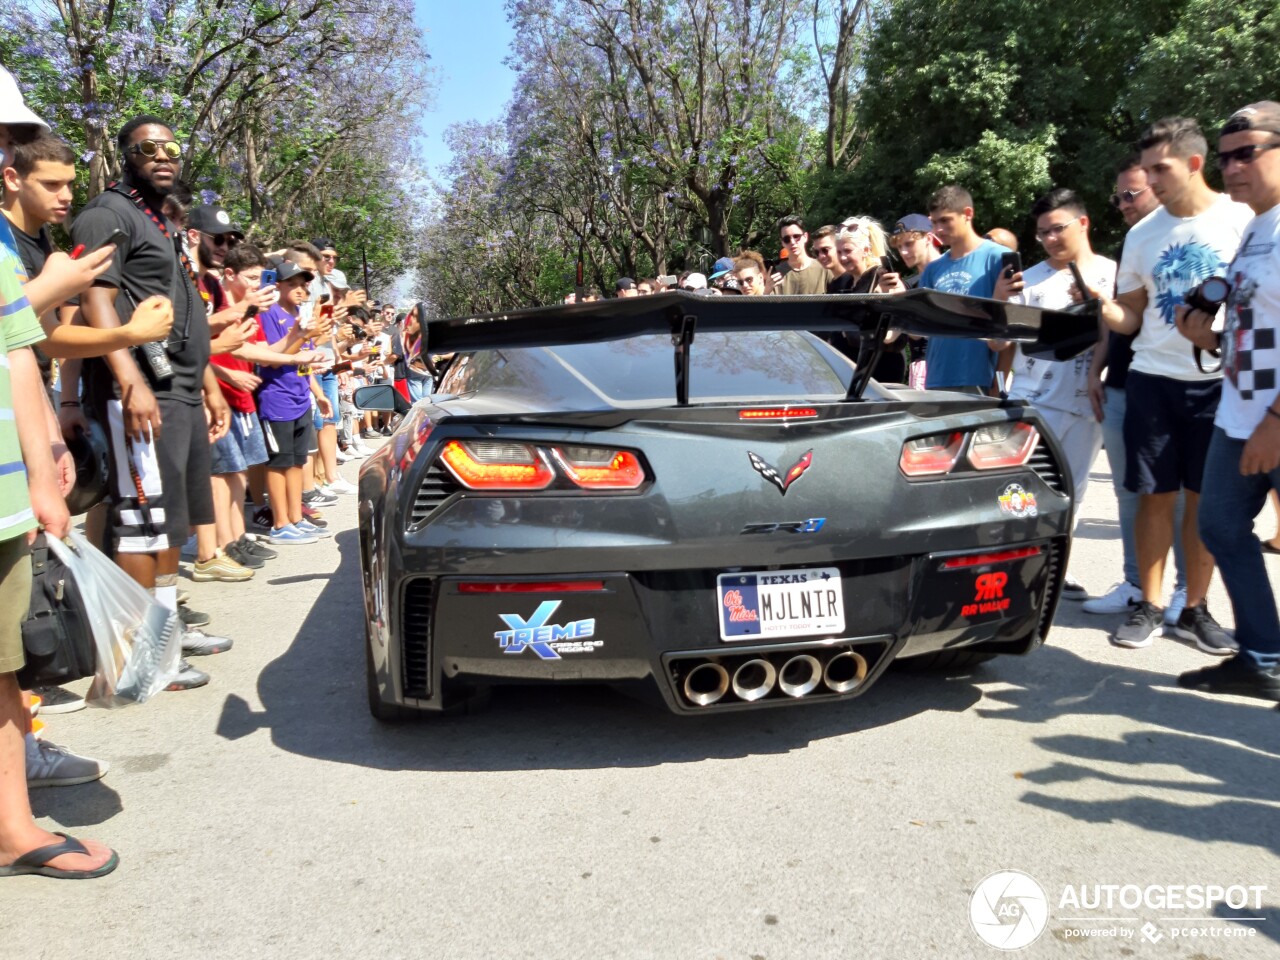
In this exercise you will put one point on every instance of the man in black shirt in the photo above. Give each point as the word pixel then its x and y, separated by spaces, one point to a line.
pixel 153 400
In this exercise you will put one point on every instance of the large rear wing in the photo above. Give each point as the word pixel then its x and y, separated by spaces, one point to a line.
pixel 1048 334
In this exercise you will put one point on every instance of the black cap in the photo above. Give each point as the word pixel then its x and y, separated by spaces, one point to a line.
pixel 212 219
pixel 624 283
pixel 323 243
pixel 287 270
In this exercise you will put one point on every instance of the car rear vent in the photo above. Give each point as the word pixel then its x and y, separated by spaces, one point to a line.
pixel 415 636
pixel 1046 467
pixel 1055 573
pixel 437 485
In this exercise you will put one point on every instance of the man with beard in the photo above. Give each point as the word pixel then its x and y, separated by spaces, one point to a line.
pixel 153 400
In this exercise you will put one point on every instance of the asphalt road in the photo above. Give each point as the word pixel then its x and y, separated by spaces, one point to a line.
pixel 267 815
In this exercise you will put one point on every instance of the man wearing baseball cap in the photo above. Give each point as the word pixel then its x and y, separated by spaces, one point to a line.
pixel 913 239
pixel 1243 462
pixel 625 287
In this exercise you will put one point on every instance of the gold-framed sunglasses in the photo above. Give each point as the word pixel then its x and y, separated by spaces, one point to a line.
pixel 153 148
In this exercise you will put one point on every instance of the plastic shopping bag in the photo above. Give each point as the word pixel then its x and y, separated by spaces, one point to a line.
pixel 138 641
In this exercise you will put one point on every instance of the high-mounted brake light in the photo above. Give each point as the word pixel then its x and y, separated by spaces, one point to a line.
pixel 928 456
pixel 600 468
pixel 981 559
pixel 1002 445
pixel 494 465
pixel 778 413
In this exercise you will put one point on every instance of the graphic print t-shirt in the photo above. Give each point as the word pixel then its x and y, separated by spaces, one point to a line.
pixel 1168 256
pixel 953 361
pixel 1057 384
pixel 1249 349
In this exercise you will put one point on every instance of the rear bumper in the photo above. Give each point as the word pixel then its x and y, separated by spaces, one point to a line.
pixel 430 633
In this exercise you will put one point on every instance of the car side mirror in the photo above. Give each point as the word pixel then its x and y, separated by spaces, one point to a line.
pixel 379 397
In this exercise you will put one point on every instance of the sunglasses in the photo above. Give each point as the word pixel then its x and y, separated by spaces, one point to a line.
pixel 329 256
pixel 1245 155
pixel 1055 231
pixel 1127 196
pixel 227 240
pixel 792 237
pixel 151 148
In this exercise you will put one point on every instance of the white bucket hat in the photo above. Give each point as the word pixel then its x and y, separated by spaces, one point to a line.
pixel 12 109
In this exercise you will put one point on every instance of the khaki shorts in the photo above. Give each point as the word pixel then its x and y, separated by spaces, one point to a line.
pixel 15 598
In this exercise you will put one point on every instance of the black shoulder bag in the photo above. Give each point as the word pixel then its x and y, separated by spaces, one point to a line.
pixel 56 635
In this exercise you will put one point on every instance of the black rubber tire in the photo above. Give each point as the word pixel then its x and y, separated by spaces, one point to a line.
pixel 382 711
pixel 946 660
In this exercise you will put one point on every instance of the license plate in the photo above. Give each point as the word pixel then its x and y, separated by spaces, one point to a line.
pixel 781 603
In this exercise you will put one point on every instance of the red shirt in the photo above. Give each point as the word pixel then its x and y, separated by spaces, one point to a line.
pixel 241 401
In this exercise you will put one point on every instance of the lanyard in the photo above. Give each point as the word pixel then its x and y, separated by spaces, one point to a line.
pixel 136 198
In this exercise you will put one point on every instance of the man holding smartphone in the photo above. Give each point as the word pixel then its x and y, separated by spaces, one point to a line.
pixel 161 405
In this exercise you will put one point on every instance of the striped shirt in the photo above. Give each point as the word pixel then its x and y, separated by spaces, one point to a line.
pixel 19 328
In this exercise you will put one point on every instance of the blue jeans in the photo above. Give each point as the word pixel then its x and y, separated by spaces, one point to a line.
pixel 1113 438
pixel 1229 503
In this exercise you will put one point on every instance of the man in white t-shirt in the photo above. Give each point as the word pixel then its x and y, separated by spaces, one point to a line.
pixel 1170 401
pixel 1243 464
pixel 1059 389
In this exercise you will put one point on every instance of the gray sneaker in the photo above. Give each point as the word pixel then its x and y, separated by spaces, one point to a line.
pixel 188 677
pixel 1197 624
pixel 197 643
pixel 49 765
pixel 1145 623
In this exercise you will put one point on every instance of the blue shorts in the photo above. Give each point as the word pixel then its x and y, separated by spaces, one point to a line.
pixel 329 384
pixel 242 447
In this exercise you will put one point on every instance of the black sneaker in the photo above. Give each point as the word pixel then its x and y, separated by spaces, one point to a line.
pixel 1145 623
pixel 386 431
pixel 1196 623
pixel 192 618
pixel 1073 589
pixel 58 700
pixel 315 498
pixel 240 556
pixel 262 519
pixel 255 548
pixel 1240 675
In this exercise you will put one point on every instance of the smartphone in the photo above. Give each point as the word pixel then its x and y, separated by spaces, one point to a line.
pixel 115 236
pixel 1010 263
pixel 268 279
pixel 326 310
pixel 1079 279
pixel 324 298
pixel 668 281
pixel 886 264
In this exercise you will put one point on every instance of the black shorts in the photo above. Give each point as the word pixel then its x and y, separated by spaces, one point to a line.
pixel 288 441
pixel 1167 428
pixel 159 489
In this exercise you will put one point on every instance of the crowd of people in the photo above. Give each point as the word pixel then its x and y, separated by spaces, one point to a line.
pixel 214 379
pixel 218 379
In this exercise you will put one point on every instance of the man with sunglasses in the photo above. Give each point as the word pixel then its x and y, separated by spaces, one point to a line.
pixel 1170 399
pixel 805 274
pixel 163 407
pixel 1243 464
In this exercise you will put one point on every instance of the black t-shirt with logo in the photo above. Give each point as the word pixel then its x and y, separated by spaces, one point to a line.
pixel 146 263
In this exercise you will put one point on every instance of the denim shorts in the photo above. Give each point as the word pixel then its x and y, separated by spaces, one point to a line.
pixel 243 446
pixel 329 384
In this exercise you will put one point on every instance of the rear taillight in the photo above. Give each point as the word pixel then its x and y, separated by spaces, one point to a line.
pixel 599 468
pixel 1002 445
pixel 494 465
pixel 928 456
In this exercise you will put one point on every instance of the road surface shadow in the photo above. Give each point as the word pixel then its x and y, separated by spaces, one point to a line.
pixel 86 805
pixel 1225 751
pixel 314 705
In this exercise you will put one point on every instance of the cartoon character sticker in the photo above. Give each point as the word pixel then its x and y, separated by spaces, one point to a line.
pixel 1017 501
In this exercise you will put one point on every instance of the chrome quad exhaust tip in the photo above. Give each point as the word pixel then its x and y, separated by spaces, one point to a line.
pixel 844 672
pixel 800 675
pixel 706 684
pixel 754 679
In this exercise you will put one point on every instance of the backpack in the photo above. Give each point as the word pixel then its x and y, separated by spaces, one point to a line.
pixel 56 635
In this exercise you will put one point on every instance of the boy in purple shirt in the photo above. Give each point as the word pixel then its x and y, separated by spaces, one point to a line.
pixel 284 407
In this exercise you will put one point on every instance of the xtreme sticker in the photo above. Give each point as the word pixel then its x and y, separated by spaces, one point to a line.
pixel 1016 501
pixel 547 640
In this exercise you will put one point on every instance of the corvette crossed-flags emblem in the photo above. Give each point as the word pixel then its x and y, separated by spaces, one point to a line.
pixel 780 480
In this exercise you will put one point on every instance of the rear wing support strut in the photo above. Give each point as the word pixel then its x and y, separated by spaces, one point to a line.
pixel 682 330
pixel 870 349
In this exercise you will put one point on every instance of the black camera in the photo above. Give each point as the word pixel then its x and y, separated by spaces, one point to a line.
pixel 1209 296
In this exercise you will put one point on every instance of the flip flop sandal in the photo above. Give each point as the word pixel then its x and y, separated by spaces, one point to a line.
pixel 32 864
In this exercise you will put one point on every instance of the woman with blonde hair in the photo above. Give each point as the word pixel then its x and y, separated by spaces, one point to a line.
pixel 860 244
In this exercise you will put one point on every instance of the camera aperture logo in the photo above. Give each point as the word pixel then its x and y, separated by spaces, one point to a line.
pixel 1009 910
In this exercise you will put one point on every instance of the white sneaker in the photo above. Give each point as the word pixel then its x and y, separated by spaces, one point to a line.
pixel 361 450
pixel 1121 598
pixel 1177 601
pixel 341 456
pixel 341 486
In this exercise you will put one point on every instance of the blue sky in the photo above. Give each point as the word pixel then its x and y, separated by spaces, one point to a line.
pixel 467 42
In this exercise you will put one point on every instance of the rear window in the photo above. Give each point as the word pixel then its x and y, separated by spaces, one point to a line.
pixel 773 365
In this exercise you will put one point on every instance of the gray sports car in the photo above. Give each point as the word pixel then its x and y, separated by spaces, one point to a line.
pixel 698 495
